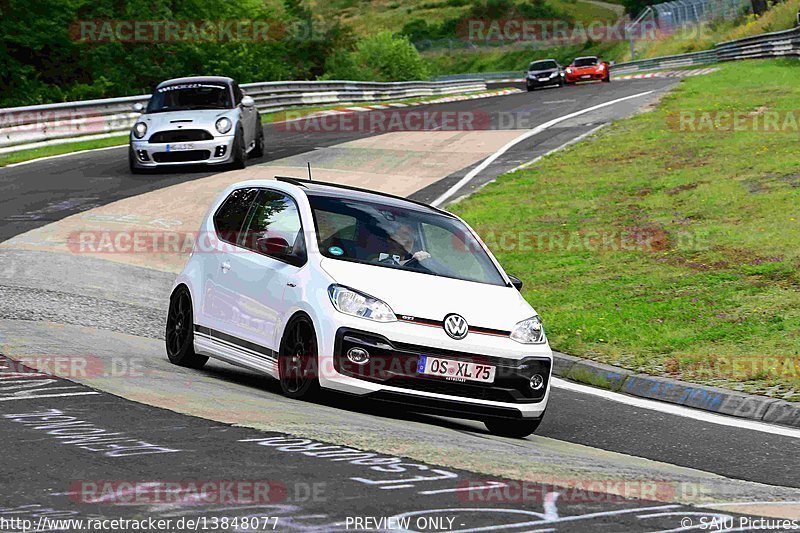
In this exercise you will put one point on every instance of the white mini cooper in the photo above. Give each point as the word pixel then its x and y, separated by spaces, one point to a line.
pixel 323 286
pixel 202 120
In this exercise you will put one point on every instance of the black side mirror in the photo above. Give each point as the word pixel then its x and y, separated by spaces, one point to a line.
pixel 516 282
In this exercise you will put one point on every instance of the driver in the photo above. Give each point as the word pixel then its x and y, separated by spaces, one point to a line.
pixel 404 239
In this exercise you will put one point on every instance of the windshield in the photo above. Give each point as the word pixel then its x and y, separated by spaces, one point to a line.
pixel 187 96
pixel 405 239
pixel 542 65
pixel 585 61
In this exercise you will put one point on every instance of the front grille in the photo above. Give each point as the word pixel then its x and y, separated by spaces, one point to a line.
pixel 178 136
pixel 395 364
pixel 181 157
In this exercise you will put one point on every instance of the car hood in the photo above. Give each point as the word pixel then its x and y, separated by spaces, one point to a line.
pixel 193 119
pixel 433 297
pixel 547 72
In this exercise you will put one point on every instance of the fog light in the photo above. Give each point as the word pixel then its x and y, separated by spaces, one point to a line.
pixel 358 356
pixel 537 382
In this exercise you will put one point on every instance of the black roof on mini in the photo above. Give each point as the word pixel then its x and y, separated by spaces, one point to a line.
pixel 196 79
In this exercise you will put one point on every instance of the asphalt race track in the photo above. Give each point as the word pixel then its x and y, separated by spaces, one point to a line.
pixel 72 447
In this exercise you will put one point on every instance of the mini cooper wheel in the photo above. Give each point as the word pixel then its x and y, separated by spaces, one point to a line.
pixel 180 331
pixel 297 361
pixel 258 149
pixel 239 151
pixel 512 428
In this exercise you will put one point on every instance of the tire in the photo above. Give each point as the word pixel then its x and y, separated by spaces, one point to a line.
pixel 530 89
pixel 132 163
pixel 517 429
pixel 297 360
pixel 258 149
pixel 239 151
pixel 607 79
pixel 179 335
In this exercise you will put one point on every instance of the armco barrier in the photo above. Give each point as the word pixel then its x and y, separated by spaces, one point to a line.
pixel 767 45
pixel 32 126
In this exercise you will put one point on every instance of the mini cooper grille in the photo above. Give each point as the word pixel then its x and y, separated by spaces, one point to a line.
pixel 181 157
pixel 175 136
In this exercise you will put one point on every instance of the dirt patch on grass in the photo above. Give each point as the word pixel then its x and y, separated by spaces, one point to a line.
pixel 681 188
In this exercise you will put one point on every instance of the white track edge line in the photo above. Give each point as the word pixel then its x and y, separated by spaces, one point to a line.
pixel 678 410
pixel 530 133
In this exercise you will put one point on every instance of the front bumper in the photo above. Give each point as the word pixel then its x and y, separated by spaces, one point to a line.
pixel 538 82
pixel 215 151
pixel 391 375
pixel 586 76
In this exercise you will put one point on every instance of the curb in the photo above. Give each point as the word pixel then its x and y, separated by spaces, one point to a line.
pixel 703 397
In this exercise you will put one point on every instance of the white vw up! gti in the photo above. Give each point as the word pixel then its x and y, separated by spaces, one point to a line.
pixel 324 286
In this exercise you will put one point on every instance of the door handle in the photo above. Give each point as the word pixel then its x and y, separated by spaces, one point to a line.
pixel 226 266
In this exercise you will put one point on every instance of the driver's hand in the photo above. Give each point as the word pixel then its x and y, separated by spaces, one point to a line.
pixel 421 255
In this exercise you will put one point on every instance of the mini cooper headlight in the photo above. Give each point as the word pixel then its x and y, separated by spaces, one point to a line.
pixel 529 331
pixel 139 129
pixel 355 303
pixel 224 125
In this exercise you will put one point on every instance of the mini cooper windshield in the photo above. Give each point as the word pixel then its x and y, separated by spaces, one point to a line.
pixel 398 237
pixel 186 96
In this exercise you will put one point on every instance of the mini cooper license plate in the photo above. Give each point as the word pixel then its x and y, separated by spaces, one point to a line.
pixel 180 147
pixel 455 370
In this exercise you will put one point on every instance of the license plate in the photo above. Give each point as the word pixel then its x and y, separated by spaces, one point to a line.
pixel 455 370
pixel 543 79
pixel 586 76
pixel 180 147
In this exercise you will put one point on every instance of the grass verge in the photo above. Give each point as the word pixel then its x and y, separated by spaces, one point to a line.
pixel 664 246
pixel 59 149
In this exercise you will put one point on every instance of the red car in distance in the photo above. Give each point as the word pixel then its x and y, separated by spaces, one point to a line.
pixel 588 68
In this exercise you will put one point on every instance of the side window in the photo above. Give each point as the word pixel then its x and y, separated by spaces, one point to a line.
pixel 230 216
pixel 274 229
pixel 237 94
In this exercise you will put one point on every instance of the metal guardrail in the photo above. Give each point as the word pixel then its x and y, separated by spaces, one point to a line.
pixel 42 125
pixel 666 62
pixel 766 45
pixel 776 44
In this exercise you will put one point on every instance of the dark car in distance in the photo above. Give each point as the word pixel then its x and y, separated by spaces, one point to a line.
pixel 544 73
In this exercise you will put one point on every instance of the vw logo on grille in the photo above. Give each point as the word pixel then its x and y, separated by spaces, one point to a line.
pixel 456 326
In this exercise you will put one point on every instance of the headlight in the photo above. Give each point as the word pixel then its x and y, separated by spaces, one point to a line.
pixel 224 125
pixel 355 303
pixel 601 67
pixel 529 331
pixel 569 70
pixel 139 129
pixel 554 74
